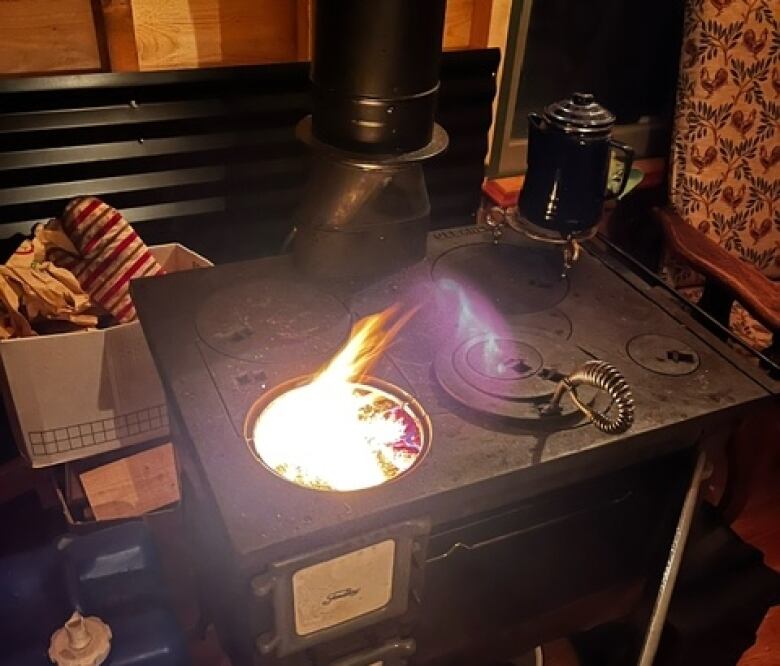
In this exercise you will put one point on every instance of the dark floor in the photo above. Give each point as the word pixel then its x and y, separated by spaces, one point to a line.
pixel 759 525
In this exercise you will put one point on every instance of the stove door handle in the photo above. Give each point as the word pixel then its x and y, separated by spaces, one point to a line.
pixel 393 652
pixel 605 377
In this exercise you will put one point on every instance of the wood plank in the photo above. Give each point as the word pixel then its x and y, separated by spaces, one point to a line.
pixel 759 295
pixel 766 651
pixel 39 36
pixel 120 35
pixel 499 23
pixel 303 27
pixel 134 485
pixel 479 34
pixel 174 34
pixel 457 24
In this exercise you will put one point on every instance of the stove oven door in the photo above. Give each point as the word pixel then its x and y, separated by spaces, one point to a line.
pixel 540 570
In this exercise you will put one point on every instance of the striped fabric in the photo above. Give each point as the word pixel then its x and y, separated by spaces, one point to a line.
pixel 112 255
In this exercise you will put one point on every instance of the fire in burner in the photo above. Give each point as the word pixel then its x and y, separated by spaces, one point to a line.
pixel 340 430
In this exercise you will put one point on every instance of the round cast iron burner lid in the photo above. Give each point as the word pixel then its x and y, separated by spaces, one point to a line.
pixel 663 354
pixel 509 376
pixel 516 278
pixel 272 320
pixel 506 368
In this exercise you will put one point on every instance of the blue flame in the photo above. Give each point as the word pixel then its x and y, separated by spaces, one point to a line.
pixel 476 317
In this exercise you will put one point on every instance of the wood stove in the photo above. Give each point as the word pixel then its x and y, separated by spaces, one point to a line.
pixel 536 488
pixel 512 514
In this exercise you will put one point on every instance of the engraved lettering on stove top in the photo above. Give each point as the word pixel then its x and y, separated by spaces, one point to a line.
pixel 460 232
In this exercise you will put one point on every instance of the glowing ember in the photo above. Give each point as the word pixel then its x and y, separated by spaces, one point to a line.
pixel 336 433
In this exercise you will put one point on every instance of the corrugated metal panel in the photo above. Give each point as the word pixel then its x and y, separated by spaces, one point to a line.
pixel 158 145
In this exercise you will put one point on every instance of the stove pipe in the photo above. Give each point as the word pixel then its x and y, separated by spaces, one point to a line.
pixel 375 73
pixel 375 78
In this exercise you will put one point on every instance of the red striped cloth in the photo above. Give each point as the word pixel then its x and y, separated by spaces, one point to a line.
pixel 112 254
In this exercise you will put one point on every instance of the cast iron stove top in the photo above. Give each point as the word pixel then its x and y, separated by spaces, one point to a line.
pixel 497 328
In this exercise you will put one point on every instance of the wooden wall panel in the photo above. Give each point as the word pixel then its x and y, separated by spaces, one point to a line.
pixel 174 34
pixel 457 24
pixel 38 36
pixel 118 26
pixel 201 33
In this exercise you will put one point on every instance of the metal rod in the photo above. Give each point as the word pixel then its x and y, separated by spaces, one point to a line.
pixel 672 568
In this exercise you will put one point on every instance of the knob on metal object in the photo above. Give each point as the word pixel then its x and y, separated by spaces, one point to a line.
pixel 83 641
pixel 605 377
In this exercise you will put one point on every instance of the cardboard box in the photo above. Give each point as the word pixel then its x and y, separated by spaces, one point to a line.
pixel 72 493
pixel 73 395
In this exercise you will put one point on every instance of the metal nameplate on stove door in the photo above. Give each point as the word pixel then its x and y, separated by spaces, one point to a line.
pixel 336 590
pixel 344 588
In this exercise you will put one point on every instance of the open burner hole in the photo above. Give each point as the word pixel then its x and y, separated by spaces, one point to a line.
pixel 333 436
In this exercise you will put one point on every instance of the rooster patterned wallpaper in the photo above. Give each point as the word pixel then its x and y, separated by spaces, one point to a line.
pixel 726 151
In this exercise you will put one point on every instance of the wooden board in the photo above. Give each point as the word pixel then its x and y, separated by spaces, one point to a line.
pixel 479 35
pixel 134 485
pixel 174 34
pixel 757 293
pixel 119 31
pixel 457 24
pixel 38 36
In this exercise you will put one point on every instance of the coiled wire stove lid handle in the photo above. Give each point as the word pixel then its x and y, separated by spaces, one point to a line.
pixel 605 377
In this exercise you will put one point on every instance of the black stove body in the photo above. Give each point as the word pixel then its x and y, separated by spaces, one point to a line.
pixel 510 515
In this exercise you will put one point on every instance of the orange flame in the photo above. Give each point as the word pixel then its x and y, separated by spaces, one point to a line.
pixel 369 339
pixel 326 433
